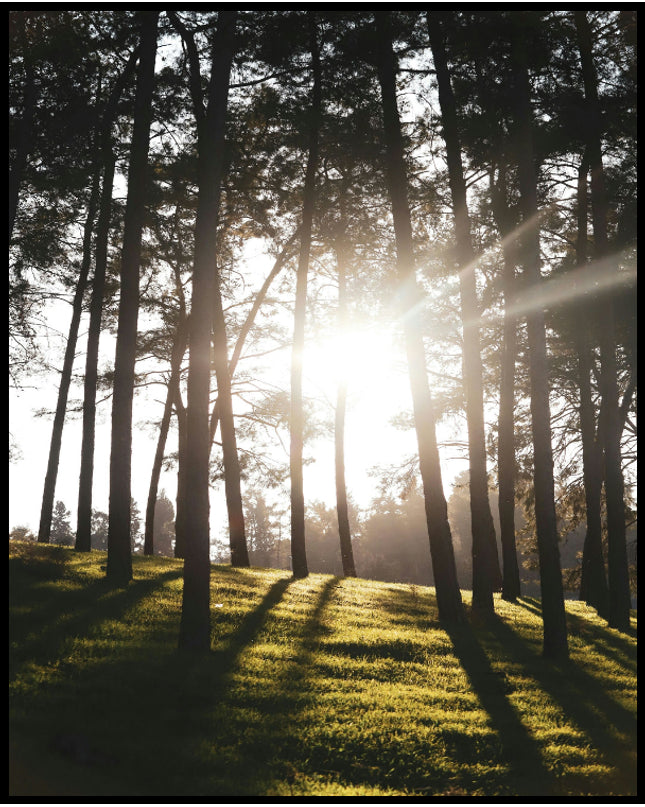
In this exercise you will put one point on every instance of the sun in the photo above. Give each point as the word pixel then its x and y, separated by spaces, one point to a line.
pixel 364 357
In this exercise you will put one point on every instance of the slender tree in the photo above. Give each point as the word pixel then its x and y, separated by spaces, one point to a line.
pixel 342 509
pixel 619 598
pixel 296 422
pixel 119 562
pixel 555 644
pixel 486 573
pixel 194 634
pixel 441 548
pixel 108 160
pixel 505 223
pixel 66 373
pixel 593 580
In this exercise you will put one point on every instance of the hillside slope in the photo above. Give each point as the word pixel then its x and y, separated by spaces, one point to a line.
pixel 315 687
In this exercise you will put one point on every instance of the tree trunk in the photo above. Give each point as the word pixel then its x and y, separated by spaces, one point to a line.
pixel 180 514
pixel 194 632
pixel 66 374
pixel 178 350
pixel 296 421
pixel 441 548
pixel 593 581
pixel 119 562
pixel 84 513
pixel 486 573
pixel 232 474
pixel 511 587
pixel 342 511
pixel 619 595
pixel 555 644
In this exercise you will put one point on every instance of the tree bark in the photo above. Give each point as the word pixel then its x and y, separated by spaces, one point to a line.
pixel 441 548
pixel 619 595
pixel 119 562
pixel 486 573
pixel 66 373
pixel 555 643
pixel 296 421
pixel 194 632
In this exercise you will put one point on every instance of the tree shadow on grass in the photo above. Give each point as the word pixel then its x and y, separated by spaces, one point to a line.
pixel 528 776
pixel 584 700
pixel 73 614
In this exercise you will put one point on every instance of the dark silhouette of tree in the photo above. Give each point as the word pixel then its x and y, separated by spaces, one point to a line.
pixel 486 573
pixel 61 529
pixel 296 423
pixel 194 634
pixel 619 599
pixel 441 549
pixel 90 378
pixel 555 644
pixel 66 372
pixel 119 564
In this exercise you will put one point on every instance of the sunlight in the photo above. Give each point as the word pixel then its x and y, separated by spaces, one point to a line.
pixel 365 356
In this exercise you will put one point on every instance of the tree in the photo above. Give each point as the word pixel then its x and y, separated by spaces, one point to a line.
pixel 61 529
pixel 486 574
pixel 119 565
pixel 555 644
pixel 108 160
pixel 296 422
pixel 66 373
pixel 441 549
pixel 164 526
pixel 619 599
pixel 194 634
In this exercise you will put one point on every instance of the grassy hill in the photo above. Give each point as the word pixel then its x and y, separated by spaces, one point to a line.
pixel 317 687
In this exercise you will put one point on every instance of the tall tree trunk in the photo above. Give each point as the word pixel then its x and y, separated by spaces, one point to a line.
pixel 555 644
pixel 194 632
pixel 232 474
pixel 441 548
pixel 486 573
pixel 66 373
pixel 342 510
pixel 296 421
pixel 593 581
pixel 178 350
pixel 180 509
pixel 619 595
pixel 86 475
pixel 511 587
pixel 119 561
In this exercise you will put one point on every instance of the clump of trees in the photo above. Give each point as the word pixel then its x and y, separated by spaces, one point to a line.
pixel 472 173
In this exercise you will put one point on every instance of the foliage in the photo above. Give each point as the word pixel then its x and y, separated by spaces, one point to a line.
pixel 313 688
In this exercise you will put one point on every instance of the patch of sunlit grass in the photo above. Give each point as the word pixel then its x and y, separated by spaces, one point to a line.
pixel 318 687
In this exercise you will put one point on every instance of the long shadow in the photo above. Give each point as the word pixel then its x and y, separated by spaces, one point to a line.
pixel 583 699
pixel 289 695
pixel 528 774
pixel 75 614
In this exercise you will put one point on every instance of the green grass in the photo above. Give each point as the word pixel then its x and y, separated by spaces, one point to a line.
pixel 315 687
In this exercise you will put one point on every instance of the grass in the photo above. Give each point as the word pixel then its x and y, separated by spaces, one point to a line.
pixel 322 687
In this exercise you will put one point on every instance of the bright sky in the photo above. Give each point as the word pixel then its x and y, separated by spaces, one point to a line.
pixel 378 390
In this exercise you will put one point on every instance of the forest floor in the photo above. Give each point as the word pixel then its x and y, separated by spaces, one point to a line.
pixel 322 687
